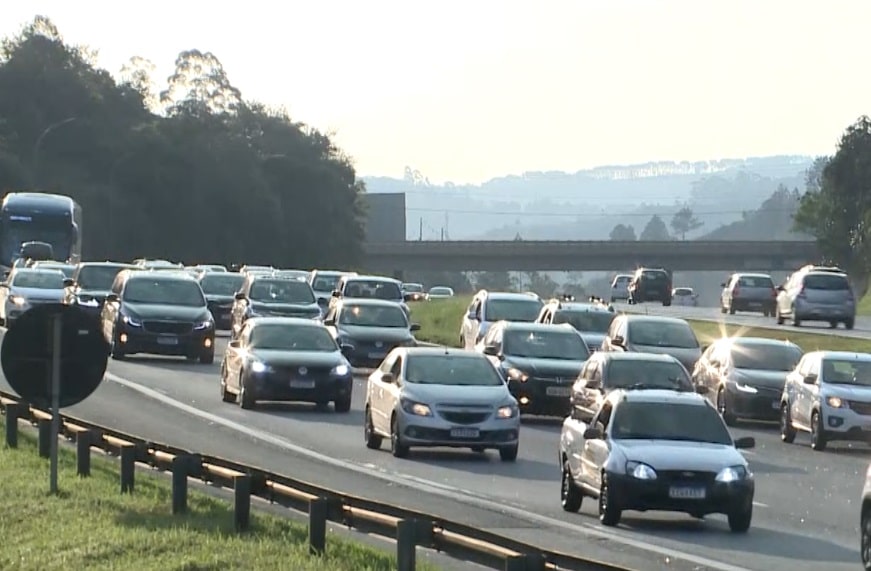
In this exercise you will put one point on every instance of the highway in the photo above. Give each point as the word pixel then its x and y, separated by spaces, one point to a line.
pixel 806 516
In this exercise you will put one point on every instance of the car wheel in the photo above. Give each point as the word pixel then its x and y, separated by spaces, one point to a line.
pixel 739 519
pixel 226 395
pixel 865 544
pixel 787 432
pixel 609 511
pixel 723 408
pixel 373 441
pixel 343 404
pixel 778 317
pixel 818 434
pixel 397 448
pixel 571 497
pixel 850 323
pixel 246 397
pixel 207 357
pixel 508 453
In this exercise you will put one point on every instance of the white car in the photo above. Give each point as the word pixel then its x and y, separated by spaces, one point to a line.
pixel 27 287
pixel 620 287
pixel 684 296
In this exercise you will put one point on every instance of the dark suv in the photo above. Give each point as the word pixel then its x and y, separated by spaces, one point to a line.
pixel 650 284
pixel 162 313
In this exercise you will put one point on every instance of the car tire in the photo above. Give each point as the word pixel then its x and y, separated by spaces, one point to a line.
pixel 778 317
pixel 865 541
pixel 342 404
pixel 246 398
pixel 723 408
pixel 571 497
pixel 226 395
pixel 818 433
pixel 207 357
pixel 740 518
pixel 397 447
pixel 850 323
pixel 787 432
pixel 609 511
pixel 509 453
pixel 373 440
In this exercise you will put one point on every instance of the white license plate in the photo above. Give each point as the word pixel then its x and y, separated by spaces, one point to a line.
pixel 465 433
pixel 376 355
pixel 558 391
pixel 302 384
pixel 167 340
pixel 775 405
pixel 685 493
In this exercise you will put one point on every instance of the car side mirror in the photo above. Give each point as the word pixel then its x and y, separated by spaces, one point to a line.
pixel 235 343
pixel 69 282
pixel 810 379
pixel 414 327
pixel 701 389
pixel 745 443
pixel 723 285
pixel 491 350
pixel 705 348
pixel 240 296
pixel 112 297
pixel 388 378
pixel 780 288
pixel 593 433
pixel 329 322
pixel 618 341
pixel 323 302
pixel 336 293
pixel 347 349
pixel 472 316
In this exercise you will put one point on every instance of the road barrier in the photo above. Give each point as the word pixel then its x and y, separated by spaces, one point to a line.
pixel 409 528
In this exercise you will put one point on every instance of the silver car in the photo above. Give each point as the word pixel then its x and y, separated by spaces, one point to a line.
pixel 817 293
pixel 27 287
pixel 434 397
pixel 865 521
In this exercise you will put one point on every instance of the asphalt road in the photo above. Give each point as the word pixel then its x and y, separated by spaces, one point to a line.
pixel 806 515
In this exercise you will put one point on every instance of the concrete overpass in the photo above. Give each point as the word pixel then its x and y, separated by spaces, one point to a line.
pixel 690 255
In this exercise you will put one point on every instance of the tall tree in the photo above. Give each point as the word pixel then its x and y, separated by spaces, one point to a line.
pixel 540 283
pixel 623 233
pixel 499 281
pixel 684 221
pixel 836 209
pixel 200 85
pixel 655 230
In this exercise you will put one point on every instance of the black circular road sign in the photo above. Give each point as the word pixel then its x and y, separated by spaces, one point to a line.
pixel 26 354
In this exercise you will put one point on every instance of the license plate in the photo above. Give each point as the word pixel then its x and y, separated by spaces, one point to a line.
pixel 167 340
pixel 376 355
pixel 775 405
pixel 465 433
pixel 302 384
pixel 558 391
pixel 682 493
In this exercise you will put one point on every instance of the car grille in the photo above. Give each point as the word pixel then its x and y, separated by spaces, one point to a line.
pixel 561 380
pixel 458 417
pixel 173 327
pixel 863 408
pixel 293 372
pixel 686 477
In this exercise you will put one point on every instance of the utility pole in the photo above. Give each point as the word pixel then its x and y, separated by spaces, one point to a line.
pixel 446 234
pixel 420 231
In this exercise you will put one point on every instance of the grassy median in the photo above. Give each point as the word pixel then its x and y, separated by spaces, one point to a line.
pixel 440 323
pixel 91 525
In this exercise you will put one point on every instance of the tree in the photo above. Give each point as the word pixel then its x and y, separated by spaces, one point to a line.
pixel 655 230
pixel 540 283
pixel 684 221
pixel 623 233
pixel 498 281
pixel 836 208
pixel 200 85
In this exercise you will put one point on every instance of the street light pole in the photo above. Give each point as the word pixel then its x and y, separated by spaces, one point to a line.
pixel 36 145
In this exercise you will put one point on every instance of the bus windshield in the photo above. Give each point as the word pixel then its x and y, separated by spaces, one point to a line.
pixel 14 233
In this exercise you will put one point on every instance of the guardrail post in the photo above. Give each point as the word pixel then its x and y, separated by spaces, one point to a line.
pixel 44 425
pixel 180 484
pixel 525 562
pixel 83 453
pixel 12 425
pixel 128 468
pixel 406 544
pixel 242 503
pixel 515 563
pixel 318 511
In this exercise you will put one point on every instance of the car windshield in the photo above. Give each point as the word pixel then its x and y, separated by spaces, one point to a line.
pixel 164 291
pixel 372 316
pixel 662 334
pixel 640 420
pixel 518 310
pixel 325 283
pixel 412 288
pixel 291 337
pixel 654 276
pixel 587 321
pixel 97 277
pixel 281 291
pixel 755 281
pixel 221 283
pixel 765 357
pixel 847 372
pixel 566 345
pixel 451 370
pixel 682 291
pixel 39 279
pixel 373 289
pixel 626 373
pixel 441 291
pixel 67 269
pixel 826 282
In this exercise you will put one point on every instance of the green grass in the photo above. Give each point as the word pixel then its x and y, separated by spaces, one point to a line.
pixel 864 307
pixel 91 525
pixel 440 323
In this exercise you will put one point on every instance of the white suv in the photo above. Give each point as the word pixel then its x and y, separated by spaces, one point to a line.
pixel 620 287
pixel 489 307
pixel 828 395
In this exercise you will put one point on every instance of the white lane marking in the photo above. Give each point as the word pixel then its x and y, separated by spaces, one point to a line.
pixel 760 505
pixel 427 486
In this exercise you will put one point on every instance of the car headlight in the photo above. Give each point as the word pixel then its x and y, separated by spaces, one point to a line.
pixel 732 474
pixel 259 367
pixel 17 300
pixel 836 402
pixel 416 408
pixel 517 375
pixel 745 388
pixel 132 322
pixel 204 324
pixel 509 411
pixel 640 471
pixel 341 371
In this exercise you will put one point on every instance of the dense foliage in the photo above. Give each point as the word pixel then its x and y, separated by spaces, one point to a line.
pixel 195 173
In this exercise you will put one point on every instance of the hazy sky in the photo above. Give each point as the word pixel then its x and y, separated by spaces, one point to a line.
pixel 469 90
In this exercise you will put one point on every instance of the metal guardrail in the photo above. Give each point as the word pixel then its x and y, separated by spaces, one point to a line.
pixel 410 529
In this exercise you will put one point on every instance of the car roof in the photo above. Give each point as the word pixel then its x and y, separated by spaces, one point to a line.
pixel 164 275
pixel 844 355
pixel 446 351
pixel 660 396
pixel 579 306
pixel 364 301
pixel 108 263
pixel 511 295
pixel 43 270
pixel 370 278
pixel 527 326
pixel 275 277
pixel 633 356
pixel 299 321
pixel 630 317
pixel 760 341
pixel 751 275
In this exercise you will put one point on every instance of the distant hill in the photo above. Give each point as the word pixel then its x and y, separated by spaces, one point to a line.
pixel 772 221
pixel 586 205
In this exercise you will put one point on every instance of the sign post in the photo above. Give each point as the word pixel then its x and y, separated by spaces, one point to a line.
pixel 56 340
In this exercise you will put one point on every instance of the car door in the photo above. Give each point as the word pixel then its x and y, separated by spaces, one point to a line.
pixel 808 393
pixel 472 324
pixel 375 395
pixel 234 357
pixel 109 314
pixel 617 330
pixel 594 453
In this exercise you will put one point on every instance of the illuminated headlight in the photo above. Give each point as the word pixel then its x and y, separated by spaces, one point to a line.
pixel 17 300
pixel 745 388
pixel 836 402
pixel 131 321
pixel 204 324
pixel 341 371
pixel 509 411
pixel 733 474
pixel 259 367
pixel 517 375
pixel 640 471
pixel 416 408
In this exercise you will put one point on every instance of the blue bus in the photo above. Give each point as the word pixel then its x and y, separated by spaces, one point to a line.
pixel 39 217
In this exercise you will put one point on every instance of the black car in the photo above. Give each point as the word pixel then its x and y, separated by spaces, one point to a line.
pixel 286 359
pixel 220 289
pixel 650 284
pixel 539 362
pixel 162 313
pixel 91 282
pixel 372 326
pixel 265 295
